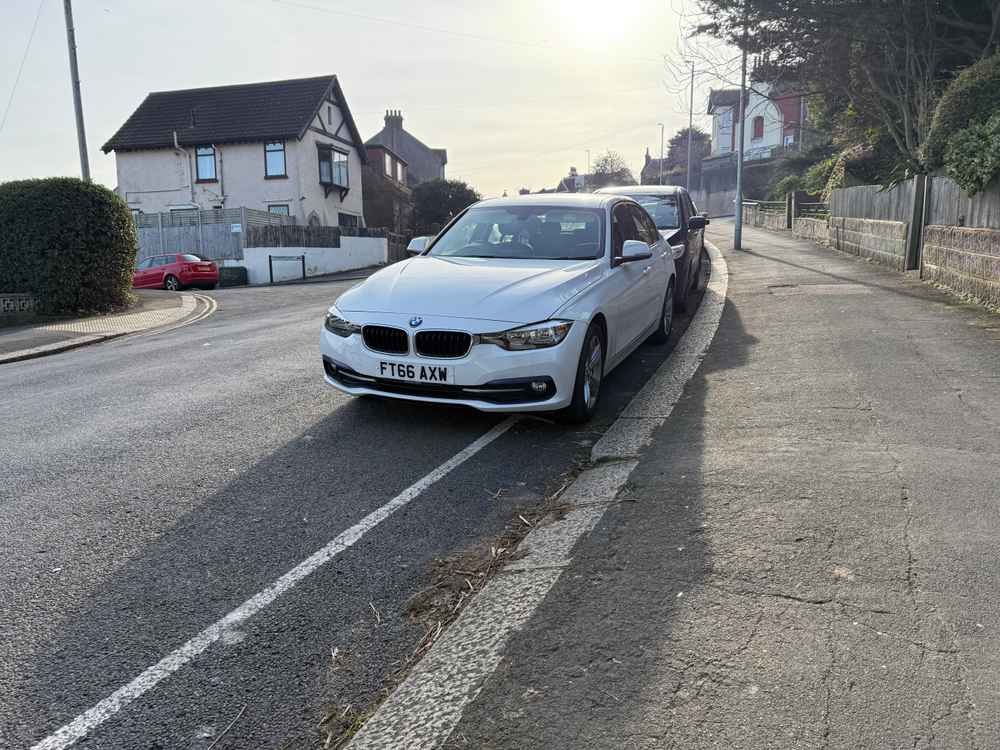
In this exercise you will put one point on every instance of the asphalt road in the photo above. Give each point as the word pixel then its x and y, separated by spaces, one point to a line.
pixel 152 484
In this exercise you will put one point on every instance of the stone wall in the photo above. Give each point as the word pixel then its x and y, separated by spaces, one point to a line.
pixel 964 259
pixel 817 230
pixel 882 241
pixel 773 220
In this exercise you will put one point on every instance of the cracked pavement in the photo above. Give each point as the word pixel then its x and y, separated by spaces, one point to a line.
pixel 805 557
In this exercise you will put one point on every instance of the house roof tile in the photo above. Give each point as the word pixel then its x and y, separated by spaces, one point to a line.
pixel 251 112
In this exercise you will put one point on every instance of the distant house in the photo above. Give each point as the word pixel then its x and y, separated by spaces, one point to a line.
pixel 775 121
pixel 651 173
pixel 288 147
pixel 388 199
pixel 423 162
pixel 574 182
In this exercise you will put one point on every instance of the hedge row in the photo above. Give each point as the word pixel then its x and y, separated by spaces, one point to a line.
pixel 972 98
pixel 70 244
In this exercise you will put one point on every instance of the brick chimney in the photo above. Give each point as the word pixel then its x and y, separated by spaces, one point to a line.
pixel 393 127
pixel 394 119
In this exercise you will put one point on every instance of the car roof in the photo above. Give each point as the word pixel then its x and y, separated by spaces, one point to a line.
pixel 642 190
pixel 569 200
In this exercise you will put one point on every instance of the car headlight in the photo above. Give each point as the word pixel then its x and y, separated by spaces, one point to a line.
pixel 535 336
pixel 335 323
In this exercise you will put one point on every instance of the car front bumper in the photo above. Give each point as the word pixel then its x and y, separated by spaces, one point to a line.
pixel 488 378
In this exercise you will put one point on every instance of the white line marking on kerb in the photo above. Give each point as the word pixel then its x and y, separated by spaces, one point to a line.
pixel 423 712
pixel 94 717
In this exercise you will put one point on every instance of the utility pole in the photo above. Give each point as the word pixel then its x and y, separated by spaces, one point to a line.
pixel 690 128
pixel 74 73
pixel 661 152
pixel 738 232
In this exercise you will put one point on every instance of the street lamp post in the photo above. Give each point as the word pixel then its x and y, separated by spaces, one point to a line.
pixel 661 152
pixel 690 128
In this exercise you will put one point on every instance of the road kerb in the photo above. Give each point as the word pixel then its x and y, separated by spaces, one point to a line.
pixel 116 326
pixel 424 710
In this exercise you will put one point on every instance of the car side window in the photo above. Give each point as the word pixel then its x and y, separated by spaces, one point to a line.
pixel 644 226
pixel 165 260
pixel 145 264
pixel 622 229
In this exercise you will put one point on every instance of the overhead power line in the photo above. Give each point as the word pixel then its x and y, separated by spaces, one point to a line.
pixel 20 68
pixel 544 45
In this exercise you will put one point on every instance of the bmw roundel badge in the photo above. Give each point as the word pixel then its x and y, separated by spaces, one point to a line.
pixel 416 321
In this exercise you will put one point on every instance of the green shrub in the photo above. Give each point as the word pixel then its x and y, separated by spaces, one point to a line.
pixel 973 97
pixel 972 158
pixel 791 183
pixel 818 175
pixel 69 243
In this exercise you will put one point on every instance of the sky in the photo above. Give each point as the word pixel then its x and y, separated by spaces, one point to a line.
pixel 517 91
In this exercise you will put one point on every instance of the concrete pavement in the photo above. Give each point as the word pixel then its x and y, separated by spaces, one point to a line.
pixel 153 309
pixel 805 556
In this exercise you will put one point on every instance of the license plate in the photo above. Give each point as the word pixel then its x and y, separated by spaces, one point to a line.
pixel 417 373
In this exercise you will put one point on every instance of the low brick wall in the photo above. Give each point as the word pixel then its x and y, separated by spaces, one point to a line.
pixel 964 259
pixel 817 230
pixel 882 241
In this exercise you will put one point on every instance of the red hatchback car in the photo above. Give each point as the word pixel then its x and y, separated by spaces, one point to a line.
pixel 175 272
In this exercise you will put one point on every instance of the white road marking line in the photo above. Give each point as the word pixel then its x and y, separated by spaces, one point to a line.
pixel 101 712
pixel 422 712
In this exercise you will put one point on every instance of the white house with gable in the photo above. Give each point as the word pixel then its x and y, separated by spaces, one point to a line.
pixel 288 147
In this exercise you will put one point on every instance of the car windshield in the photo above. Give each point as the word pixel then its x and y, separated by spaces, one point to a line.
pixel 536 232
pixel 663 208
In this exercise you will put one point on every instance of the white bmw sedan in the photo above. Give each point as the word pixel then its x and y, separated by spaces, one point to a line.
pixel 519 304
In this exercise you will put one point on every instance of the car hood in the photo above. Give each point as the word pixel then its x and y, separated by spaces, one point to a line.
pixel 517 291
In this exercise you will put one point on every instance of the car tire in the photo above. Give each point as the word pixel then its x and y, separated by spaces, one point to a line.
pixel 681 297
pixel 666 323
pixel 172 283
pixel 589 373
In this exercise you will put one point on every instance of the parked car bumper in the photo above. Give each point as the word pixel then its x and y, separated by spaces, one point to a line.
pixel 488 378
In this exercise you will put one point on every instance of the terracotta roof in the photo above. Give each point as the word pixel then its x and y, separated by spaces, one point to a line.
pixel 249 112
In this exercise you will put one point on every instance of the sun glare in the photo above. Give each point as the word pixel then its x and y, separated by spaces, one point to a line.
pixel 593 21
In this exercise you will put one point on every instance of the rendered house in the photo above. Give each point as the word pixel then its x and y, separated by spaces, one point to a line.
pixel 775 121
pixel 288 147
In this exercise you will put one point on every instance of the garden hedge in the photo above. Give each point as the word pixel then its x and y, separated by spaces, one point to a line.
pixel 70 244
pixel 973 97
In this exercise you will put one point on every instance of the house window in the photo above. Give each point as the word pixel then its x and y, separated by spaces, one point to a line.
pixel 396 172
pixel 205 163
pixel 758 128
pixel 329 115
pixel 388 165
pixel 278 208
pixel 348 220
pixel 274 160
pixel 333 168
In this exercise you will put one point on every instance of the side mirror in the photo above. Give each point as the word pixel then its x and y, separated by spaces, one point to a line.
pixel 697 222
pixel 632 251
pixel 417 245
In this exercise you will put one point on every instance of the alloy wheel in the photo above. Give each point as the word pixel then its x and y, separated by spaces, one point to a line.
pixel 593 372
